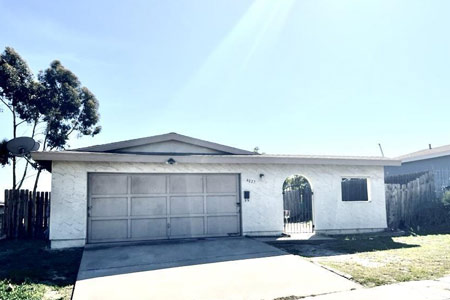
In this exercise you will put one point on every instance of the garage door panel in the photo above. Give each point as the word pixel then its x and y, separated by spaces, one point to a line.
pixel 221 183
pixel 223 225
pixel 108 184
pixel 109 229
pixel 186 205
pixel 148 184
pixel 149 228
pixel 188 226
pixel 126 207
pixel 148 206
pixel 109 207
pixel 221 204
pixel 186 184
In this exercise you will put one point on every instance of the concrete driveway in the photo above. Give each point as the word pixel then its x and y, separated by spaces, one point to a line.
pixel 229 268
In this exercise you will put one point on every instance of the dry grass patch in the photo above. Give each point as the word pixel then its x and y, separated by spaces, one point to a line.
pixel 373 261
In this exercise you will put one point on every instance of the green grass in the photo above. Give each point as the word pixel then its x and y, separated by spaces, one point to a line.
pixel 373 261
pixel 30 270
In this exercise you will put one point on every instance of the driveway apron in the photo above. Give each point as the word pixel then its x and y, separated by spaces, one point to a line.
pixel 226 268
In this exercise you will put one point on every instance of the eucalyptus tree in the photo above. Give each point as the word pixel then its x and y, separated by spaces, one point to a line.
pixel 17 92
pixel 55 105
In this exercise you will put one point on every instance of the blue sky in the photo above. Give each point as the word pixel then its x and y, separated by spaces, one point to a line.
pixel 300 77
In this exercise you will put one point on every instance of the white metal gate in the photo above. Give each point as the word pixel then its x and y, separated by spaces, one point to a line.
pixel 297 204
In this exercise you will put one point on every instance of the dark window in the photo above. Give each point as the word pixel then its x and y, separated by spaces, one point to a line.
pixel 354 189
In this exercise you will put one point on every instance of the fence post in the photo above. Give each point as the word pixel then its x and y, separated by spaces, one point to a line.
pixel 44 209
pixel 33 214
pixel 5 214
pixel 39 199
pixel 29 214
pixel 46 212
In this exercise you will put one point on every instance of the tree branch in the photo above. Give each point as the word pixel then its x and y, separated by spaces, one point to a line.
pixel 71 130
pixel 20 122
pixel 34 128
pixel 1 99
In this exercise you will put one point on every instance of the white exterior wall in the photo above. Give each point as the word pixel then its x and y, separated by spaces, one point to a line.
pixel 261 215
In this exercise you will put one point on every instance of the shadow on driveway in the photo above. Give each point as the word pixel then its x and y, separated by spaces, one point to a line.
pixel 120 259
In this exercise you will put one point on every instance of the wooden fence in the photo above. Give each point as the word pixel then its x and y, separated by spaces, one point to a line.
pixel 2 214
pixel 406 201
pixel 26 214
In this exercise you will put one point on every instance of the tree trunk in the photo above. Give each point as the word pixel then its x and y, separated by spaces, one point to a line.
pixel 36 181
pixel 27 163
pixel 14 158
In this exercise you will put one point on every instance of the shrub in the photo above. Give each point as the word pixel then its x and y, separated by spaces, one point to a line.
pixel 446 198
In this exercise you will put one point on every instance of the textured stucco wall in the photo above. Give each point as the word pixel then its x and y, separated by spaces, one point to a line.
pixel 262 215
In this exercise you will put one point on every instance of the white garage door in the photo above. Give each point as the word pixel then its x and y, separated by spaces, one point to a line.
pixel 128 207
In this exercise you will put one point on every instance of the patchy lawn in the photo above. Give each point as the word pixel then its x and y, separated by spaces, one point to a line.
pixel 372 260
pixel 29 270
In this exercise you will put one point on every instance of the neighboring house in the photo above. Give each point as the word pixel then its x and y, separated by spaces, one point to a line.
pixel 173 186
pixel 434 160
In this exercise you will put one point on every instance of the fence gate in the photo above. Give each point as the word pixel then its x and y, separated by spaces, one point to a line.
pixel 298 216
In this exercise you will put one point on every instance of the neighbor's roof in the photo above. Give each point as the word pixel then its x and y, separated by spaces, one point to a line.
pixel 425 154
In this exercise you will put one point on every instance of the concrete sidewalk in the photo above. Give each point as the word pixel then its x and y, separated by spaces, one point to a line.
pixel 413 290
pixel 230 268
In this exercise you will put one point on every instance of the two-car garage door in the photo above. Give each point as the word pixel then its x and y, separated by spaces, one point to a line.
pixel 127 207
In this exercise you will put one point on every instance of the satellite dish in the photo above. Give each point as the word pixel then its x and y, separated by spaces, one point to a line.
pixel 36 146
pixel 22 146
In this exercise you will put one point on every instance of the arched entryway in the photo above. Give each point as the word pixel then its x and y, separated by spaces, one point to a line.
pixel 297 205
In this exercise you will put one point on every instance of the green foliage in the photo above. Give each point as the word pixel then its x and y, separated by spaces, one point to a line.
pixel 296 182
pixel 56 104
pixel 430 214
pixel 446 199
pixel 17 85
pixel 56 98
pixel 65 106
pixel 24 291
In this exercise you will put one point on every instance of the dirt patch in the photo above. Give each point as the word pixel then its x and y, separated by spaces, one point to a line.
pixel 350 258
pixel 310 250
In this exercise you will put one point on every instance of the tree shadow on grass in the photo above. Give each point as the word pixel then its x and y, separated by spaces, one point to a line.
pixel 32 261
pixel 430 230
pixel 342 246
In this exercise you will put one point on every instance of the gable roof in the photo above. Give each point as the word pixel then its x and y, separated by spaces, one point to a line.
pixel 136 151
pixel 118 146
pixel 425 154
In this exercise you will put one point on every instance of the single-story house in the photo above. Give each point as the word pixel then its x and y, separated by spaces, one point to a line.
pixel 433 160
pixel 172 186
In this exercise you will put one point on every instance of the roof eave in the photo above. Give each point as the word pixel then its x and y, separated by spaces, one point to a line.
pixel 210 159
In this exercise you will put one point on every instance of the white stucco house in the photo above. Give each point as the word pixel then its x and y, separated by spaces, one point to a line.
pixel 173 186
